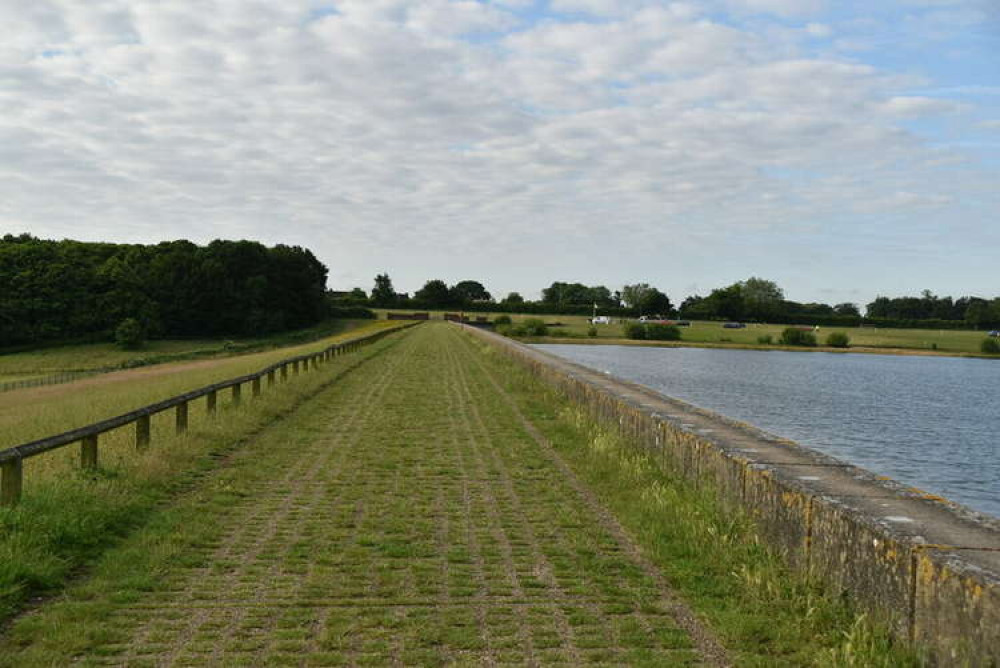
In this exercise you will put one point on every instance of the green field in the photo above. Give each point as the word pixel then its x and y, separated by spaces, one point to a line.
pixel 435 506
pixel 34 413
pixel 99 356
pixel 712 333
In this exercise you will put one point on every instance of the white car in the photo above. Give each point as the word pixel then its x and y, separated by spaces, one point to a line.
pixel 601 320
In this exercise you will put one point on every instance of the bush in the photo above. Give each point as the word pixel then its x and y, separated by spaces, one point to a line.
pixel 657 332
pixel 501 320
pixel 535 327
pixel 130 335
pixel 636 331
pixel 765 340
pixel 990 346
pixel 838 340
pixel 352 313
pixel 592 332
pixel 797 337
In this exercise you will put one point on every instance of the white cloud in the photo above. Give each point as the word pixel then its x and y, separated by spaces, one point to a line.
pixel 818 30
pixel 378 133
pixel 916 106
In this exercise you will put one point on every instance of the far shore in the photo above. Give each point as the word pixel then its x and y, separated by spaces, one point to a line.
pixel 867 350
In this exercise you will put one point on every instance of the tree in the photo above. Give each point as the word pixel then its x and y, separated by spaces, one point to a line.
pixel 633 295
pixel 847 308
pixel 61 289
pixel 513 298
pixel 383 294
pixel 646 299
pixel 657 302
pixel 696 307
pixel 129 335
pixel 359 294
pixel 434 294
pixel 465 292
pixel 761 298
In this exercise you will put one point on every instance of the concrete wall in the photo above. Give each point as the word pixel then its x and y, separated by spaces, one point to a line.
pixel 929 567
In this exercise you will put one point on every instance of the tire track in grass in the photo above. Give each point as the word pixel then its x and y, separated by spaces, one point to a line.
pixel 459 433
pixel 710 648
pixel 478 440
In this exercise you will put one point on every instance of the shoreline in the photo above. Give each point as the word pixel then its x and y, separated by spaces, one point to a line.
pixel 863 350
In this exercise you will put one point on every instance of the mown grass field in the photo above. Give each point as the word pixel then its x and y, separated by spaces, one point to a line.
pixel 712 333
pixel 435 506
pixel 92 356
pixel 38 412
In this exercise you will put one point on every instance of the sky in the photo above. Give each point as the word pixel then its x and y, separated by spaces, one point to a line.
pixel 843 149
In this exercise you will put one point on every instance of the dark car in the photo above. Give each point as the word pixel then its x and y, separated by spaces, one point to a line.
pixel 734 325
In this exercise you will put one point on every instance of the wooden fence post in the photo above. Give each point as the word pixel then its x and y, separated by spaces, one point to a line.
pixel 182 417
pixel 142 432
pixel 10 482
pixel 212 402
pixel 295 368
pixel 236 394
pixel 270 378
pixel 256 387
pixel 88 452
pixel 284 372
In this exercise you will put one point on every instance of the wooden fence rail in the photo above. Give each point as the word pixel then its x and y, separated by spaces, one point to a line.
pixel 12 459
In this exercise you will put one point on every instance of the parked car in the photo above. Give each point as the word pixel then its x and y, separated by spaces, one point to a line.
pixel 601 320
pixel 734 325
pixel 995 332
pixel 683 323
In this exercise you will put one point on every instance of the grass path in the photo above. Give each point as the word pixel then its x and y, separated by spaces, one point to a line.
pixel 411 514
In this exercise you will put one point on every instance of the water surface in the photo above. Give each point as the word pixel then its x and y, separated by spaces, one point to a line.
pixel 931 422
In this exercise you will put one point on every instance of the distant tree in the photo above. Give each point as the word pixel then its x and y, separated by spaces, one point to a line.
pixel 434 294
pixel 634 295
pixel 513 298
pixel 383 293
pixel 465 292
pixel 601 296
pixel 697 308
pixel 129 335
pixel 761 298
pixel 646 299
pixel 847 308
pixel 61 289
pixel 578 294
pixel 359 294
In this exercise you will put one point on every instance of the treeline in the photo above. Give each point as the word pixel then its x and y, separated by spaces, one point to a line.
pixel 470 295
pixel 759 300
pixel 975 312
pixel 753 300
pixel 56 290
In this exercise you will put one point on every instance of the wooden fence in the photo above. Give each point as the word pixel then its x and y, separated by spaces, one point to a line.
pixel 51 379
pixel 12 459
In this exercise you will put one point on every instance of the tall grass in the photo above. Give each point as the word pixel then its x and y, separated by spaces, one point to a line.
pixel 27 415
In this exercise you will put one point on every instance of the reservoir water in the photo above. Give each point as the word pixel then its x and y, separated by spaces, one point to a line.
pixel 930 422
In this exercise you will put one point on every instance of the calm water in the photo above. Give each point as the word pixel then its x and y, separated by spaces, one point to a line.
pixel 931 422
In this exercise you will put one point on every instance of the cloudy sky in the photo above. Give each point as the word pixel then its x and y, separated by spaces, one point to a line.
pixel 844 149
